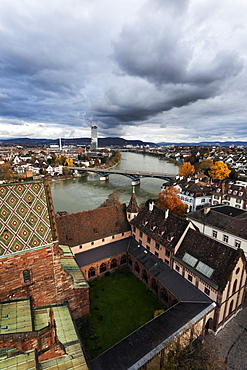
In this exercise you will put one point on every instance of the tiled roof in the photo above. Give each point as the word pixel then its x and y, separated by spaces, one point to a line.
pixel 105 251
pixel 180 288
pixel 83 227
pixel 166 231
pixel 24 217
pixel 225 218
pixel 133 206
pixel 219 257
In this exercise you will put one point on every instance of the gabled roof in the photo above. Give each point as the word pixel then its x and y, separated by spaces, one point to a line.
pixel 225 218
pixel 211 260
pixel 166 231
pixel 83 227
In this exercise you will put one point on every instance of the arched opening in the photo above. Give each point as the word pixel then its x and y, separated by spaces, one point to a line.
pixel 231 307
pixel 91 272
pixel 164 295
pixel 113 263
pixel 137 268
pixel 209 325
pixel 102 267
pixel 123 260
pixel 145 276
pixel 154 285
pixel 130 261
pixel 234 288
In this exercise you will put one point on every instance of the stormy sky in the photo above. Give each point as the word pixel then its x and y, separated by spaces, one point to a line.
pixel 154 70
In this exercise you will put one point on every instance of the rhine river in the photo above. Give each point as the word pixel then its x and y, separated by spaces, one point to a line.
pixel 88 192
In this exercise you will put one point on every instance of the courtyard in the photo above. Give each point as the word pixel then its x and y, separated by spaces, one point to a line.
pixel 119 304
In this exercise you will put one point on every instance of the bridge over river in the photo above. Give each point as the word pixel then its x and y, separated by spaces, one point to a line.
pixel 135 176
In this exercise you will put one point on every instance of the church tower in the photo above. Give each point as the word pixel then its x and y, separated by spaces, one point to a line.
pixel 132 209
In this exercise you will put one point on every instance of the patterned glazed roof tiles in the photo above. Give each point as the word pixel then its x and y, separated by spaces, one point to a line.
pixel 24 217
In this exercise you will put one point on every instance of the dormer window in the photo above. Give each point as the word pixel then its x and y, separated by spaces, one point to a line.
pixel 235 192
pixel 218 190
pixel 229 191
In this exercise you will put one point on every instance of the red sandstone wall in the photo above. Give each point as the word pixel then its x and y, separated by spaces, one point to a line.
pixel 49 282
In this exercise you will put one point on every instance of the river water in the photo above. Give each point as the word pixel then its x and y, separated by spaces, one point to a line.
pixel 88 192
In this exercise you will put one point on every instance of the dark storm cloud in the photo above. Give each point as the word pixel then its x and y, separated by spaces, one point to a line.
pixel 167 64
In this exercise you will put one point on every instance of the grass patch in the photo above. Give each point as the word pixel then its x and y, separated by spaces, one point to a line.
pixel 119 304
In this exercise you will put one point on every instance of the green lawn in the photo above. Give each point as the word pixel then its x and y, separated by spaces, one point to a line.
pixel 119 304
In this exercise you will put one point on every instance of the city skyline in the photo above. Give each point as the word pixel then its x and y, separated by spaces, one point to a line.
pixel 159 70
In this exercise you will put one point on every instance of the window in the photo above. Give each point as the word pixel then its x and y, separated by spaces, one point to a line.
pixel 80 247
pixel 134 236
pixel 140 241
pixel 237 243
pixel 26 276
pixel 103 240
pixel 215 202
pixel 123 260
pixel 167 261
pixel 227 197
pixel 164 295
pixel 148 248
pixel 216 197
pixel 113 264
pixel 140 234
pixel 238 200
pixel 137 268
pixel 190 278
pixel 203 200
pixel 177 268
pixel 134 229
pixel 113 237
pixel 157 246
pixel 122 234
pixel 156 254
pixel 91 272
pixel 207 291
pixel 148 239
pixel 102 268
pixel 225 238
pixel 234 286
pixel 92 243
pixel 214 234
pixel 168 253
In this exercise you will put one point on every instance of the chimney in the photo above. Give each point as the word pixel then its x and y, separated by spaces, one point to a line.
pixel 151 206
pixel 206 210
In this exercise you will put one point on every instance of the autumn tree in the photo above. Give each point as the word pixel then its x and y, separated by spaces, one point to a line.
pixel 168 199
pixel 219 171
pixel 112 200
pixel 5 171
pixel 186 169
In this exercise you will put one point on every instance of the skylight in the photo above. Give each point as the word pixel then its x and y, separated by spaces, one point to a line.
pixel 204 269
pixel 190 259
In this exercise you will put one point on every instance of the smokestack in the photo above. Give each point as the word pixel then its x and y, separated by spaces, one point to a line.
pixel 151 206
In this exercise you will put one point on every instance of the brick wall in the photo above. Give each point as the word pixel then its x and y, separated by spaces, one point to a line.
pixel 48 282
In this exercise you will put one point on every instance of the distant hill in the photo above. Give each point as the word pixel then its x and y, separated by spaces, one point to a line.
pixel 110 142
pixel 102 142
pixel 207 143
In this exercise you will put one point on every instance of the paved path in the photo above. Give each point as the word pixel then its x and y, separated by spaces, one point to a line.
pixel 233 341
